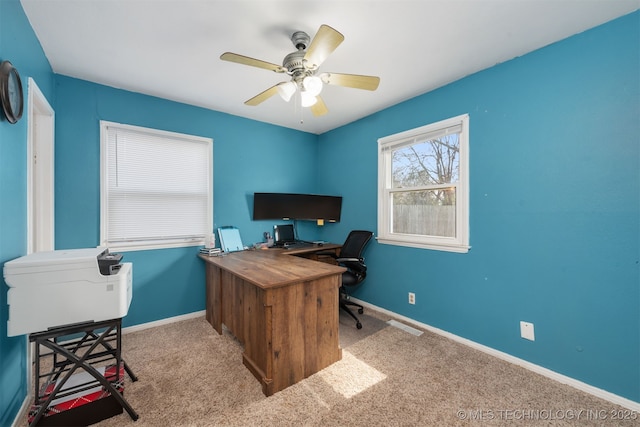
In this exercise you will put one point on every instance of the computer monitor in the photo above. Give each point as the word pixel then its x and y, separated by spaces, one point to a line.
pixel 283 233
pixel 296 206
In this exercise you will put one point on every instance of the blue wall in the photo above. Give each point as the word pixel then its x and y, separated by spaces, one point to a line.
pixel 555 192
pixel 169 282
pixel 19 45
pixel 554 202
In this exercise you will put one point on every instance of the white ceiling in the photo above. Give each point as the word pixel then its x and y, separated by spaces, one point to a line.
pixel 171 48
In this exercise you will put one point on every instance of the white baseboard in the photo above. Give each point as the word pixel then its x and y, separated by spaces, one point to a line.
pixel 161 322
pixel 24 410
pixel 595 391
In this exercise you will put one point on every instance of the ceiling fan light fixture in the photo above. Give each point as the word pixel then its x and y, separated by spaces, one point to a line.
pixel 302 66
pixel 307 99
pixel 286 90
pixel 312 85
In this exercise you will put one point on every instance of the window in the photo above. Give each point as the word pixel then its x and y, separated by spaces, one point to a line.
pixel 423 186
pixel 155 188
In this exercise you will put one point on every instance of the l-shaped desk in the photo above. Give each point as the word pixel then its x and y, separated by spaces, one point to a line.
pixel 282 305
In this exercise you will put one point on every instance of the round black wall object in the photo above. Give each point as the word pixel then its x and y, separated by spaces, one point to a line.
pixel 11 95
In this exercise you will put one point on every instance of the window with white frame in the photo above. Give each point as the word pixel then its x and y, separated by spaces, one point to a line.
pixel 155 188
pixel 423 186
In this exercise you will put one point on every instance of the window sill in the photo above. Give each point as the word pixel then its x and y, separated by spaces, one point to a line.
pixel 463 249
pixel 146 246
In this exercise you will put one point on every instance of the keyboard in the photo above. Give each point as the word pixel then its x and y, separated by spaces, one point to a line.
pixel 297 245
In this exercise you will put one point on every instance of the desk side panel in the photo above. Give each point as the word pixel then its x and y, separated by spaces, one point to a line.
pixel 234 290
pixel 257 336
pixel 213 297
pixel 304 329
pixel 326 336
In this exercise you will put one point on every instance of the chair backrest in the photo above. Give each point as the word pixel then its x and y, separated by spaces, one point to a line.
pixel 353 248
pixel 355 244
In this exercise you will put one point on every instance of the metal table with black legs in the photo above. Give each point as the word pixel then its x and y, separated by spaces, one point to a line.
pixel 87 362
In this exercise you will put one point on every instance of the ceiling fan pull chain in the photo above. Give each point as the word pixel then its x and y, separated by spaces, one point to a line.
pixel 299 97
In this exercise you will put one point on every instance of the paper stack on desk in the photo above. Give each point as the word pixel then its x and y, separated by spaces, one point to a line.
pixel 210 251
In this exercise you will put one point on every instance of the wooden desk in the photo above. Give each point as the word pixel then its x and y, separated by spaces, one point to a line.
pixel 283 309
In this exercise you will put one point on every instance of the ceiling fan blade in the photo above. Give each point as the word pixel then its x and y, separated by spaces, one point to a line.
pixel 319 108
pixel 262 96
pixel 325 41
pixel 351 80
pixel 245 60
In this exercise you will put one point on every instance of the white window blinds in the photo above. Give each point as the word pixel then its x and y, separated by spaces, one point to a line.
pixel 156 187
pixel 415 136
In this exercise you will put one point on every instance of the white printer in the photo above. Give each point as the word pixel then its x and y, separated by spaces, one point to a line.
pixel 56 288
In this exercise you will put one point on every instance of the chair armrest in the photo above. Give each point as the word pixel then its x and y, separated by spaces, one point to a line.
pixel 349 259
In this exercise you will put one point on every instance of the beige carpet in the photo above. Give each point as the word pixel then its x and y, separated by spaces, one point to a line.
pixel 350 335
pixel 191 376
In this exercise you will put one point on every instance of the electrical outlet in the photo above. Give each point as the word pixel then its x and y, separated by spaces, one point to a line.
pixel 526 331
pixel 412 298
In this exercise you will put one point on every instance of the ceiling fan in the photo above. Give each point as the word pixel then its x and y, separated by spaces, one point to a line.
pixel 302 65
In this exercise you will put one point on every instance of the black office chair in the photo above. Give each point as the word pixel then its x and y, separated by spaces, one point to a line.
pixel 351 257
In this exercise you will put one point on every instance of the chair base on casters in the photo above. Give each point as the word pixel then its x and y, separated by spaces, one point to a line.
pixel 345 303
